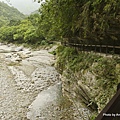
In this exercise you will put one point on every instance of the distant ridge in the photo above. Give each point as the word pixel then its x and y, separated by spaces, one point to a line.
pixel 8 13
pixel 35 12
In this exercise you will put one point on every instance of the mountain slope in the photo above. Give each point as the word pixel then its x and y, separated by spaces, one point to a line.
pixel 8 13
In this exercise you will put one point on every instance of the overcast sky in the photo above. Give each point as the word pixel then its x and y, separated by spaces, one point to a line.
pixel 24 6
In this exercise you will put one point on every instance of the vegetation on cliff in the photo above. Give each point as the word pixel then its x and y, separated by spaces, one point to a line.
pixel 91 77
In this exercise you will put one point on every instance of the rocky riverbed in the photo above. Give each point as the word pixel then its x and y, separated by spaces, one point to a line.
pixel 30 87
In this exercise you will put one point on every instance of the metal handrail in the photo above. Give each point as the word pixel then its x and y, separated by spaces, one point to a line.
pixel 99 48
pixel 112 109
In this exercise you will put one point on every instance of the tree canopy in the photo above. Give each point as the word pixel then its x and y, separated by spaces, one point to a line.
pixel 78 21
pixel 24 31
pixel 88 21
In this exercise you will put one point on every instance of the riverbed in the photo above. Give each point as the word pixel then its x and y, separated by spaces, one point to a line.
pixel 30 87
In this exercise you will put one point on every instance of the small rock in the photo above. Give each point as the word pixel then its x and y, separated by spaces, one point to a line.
pixel 18 59
pixel 8 56
pixel 17 49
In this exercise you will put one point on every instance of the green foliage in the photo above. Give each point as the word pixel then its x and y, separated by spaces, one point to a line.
pixel 91 22
pixel 73 59
pixel 53 52
pixel 24 31
pixel 6 33
pixel 23 34
pixel 43 42
pixel 106 71
pixel 93 117
pixel 86 21
pixel 64 55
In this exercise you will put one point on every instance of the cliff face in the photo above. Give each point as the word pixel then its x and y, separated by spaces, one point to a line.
pixel 89 80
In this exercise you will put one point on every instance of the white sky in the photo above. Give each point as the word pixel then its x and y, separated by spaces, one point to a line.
pixel 24 6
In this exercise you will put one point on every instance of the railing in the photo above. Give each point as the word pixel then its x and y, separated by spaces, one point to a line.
pixel 107 49
pixel 112 109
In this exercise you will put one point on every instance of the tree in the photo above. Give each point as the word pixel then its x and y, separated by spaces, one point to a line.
pixel 81 20
pixel 6 33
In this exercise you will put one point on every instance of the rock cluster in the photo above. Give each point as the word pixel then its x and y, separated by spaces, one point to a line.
pixel 40 79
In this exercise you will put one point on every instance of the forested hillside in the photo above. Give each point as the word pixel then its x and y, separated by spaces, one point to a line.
pixel 16 27
pixel 83 21
pixel 8 14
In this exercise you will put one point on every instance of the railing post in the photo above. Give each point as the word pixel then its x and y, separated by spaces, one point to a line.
pixel 100 48
pixel 114 49
pixel 106 49
pixel 112 109
pixel 95 48
pixel 118 86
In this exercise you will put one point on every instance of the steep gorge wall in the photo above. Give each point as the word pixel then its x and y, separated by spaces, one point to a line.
pixel 88 79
